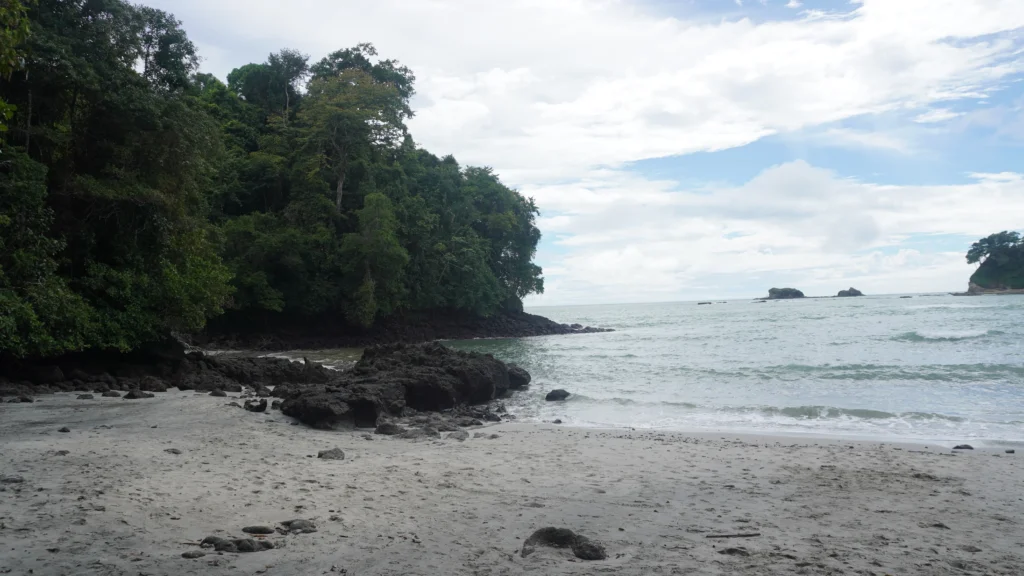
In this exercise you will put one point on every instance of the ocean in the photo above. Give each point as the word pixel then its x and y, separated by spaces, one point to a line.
pixel 939 367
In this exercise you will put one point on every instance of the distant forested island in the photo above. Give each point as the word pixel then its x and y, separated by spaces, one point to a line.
pixel 140 197
pixel 1001 257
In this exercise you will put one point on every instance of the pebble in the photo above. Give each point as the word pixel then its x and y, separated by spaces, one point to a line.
pixel 963 447
pixel 193 554
pixel 64 429
pixel 172 451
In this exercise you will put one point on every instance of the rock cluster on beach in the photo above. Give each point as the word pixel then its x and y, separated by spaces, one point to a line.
pixel 390 380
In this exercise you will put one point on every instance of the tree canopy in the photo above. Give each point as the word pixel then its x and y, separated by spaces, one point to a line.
pixel 1002 261
pixel 139 196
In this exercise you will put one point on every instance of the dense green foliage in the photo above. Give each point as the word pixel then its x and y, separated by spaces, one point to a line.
pixel 138 196
pixel 1002 261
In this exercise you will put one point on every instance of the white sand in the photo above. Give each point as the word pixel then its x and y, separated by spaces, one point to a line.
pixel 119 504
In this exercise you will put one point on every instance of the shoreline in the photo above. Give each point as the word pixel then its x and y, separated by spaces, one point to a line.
pixel 118 503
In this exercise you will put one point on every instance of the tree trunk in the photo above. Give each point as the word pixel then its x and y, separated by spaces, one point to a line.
pixel 286 105
pixel 341 186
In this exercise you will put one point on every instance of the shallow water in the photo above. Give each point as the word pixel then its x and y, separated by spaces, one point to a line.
pixel 931 367
pixel 927 368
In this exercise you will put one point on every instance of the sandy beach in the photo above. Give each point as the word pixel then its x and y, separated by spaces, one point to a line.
pixel 108 498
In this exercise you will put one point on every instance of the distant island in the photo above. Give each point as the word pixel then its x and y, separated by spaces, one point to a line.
pixel 849 293
pixel 784 294
pixel 1002 265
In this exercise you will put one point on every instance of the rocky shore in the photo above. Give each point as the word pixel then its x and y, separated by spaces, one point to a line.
pixel 386 391
pixel 413 327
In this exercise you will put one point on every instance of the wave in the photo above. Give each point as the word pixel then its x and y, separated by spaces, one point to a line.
pixel 952 306
pixel 945 335
pixel 788 412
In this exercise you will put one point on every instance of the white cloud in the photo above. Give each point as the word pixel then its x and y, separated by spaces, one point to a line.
pixel 936 115
pixel 567 91
pixel 794 4
pixel 794 222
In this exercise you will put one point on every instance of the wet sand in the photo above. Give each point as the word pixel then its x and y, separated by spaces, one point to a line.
pixel 118 503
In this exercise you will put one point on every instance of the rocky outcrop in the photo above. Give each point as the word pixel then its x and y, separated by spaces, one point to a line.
pixel 976 290
pixel 391 379
pixel 321 333
pixel 849 293
pixel 557 395
pixel 784 294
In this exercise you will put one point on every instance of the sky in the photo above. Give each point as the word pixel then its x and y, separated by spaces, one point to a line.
pixel 690 149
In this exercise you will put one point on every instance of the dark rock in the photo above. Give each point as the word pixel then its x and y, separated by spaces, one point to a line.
pixel 323 410
pixel 416 433
pixel 85 396
pixel 174 451
pixel 586 549
pixel 45 374
pixel 299 526
pixel 1010 451
pixel 582 547
pixel 389 429
pixel 517 377
pixel 556 395
pixel 734 552
pixel 242 545
pixel 258 530
pixel 219 393
pixel 849 293
pixel 193 554
pixel 459 435
pixel 262 392
pixel 25 399
pixel 138 394
pixel 152 384
pixel 260 406
pixel 332 454
pixel 275 405
pixel 558 421
pixel 111 394
pixel 467 421
pixel 62 452
pixel 212 541
pixel 64 429
pixel 963 447
pixel 11 479
pixel 784 293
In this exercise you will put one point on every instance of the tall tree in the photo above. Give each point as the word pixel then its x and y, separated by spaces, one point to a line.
pixel 350 116
pixel 14 29
pixel 374 257
pixel 288 68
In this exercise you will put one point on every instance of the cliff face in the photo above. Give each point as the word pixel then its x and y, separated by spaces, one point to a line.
pixel 1000 272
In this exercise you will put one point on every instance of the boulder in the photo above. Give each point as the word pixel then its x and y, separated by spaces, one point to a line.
pixel 332 454
pixel 389 429
pixel 152 384
pixel 517 377
pixel 111 394
pixel 849 293
pixel 85 396
pixel 784 293
pixel 253 406
pixel 582 547
pixel 556 395
pixel 459 435
pixel 138 394
pixel 45 374
pixel 322 410
pixel 219 393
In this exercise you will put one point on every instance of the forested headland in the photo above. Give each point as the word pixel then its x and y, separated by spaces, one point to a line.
pixel 140 197
pixel 1001 259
